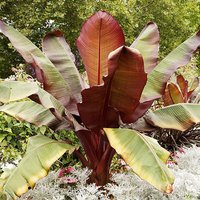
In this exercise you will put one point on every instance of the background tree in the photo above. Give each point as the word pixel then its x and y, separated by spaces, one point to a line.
pixel 176 21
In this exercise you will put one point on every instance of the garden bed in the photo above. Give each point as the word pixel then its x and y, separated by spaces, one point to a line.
pixel 185 167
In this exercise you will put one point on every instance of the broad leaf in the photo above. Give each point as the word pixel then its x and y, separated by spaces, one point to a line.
pixel 148 45
pixel 53 82
pixel 99 35
pixel 178 116
pixel 31 112
pixel 59 53
pixel 158 78
pixel 120 93
pixel 41 153
pixel 12 91
pixel 16 90
pixel 143 155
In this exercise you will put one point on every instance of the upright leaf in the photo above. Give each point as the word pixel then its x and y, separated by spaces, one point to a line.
pixel 41 153
pixel 148 45
pixel 158 78
pixel 178 116
pixel 52 80
pixel 143 155
pixel 99 35
pixel 120 93
pixel 59 53
pixel 175 94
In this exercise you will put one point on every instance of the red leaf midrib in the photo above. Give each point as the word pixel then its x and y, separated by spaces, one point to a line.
pixel 99 54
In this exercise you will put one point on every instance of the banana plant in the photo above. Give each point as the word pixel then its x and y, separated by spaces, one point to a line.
pixel 123 83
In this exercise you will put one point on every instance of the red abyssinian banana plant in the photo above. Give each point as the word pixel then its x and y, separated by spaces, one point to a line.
pixel 123 83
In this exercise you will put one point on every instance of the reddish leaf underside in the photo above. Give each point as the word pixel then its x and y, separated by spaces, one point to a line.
pixel 59 53
pixel 120 93
pixel 99 35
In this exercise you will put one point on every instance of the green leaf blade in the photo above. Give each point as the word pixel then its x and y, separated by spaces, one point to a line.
pixel 143 155
pixel 42 152
pixel 178 116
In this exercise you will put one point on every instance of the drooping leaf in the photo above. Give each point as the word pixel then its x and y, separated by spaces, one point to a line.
pixel 178 116
pixel 12 91
pixel 158 78
pixel 59 53
pixel 53 82
pixel 41 153
pixel 143 155
pixel 120 93
pixel 99 35
pixel 175 93
pixel 148 45
pixel 31 112
pixel 16 90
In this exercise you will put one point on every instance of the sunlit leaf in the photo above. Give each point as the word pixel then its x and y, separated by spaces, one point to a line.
pixel 41 153
pixel 143 155
pixel 99 35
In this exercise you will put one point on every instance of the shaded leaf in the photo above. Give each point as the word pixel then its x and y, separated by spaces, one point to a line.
pixel 41 153
pixel 148 45
pixel 143 155
pixel 120 93
pixel 158 78
pixel 99 35
pixel 178 116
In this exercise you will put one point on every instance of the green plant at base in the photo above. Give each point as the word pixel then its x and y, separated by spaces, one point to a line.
pixel 123 83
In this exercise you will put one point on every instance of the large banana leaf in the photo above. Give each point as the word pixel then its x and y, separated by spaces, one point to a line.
pixel 31 112
pixel 178 116
pixel 99 35
pixel 143 155
pixel 59 53
pixel 41 153
pixel 12 91
pixel 53 81
pixel 148 45
pixel 158 78
pixel 120 93
pixel 17 90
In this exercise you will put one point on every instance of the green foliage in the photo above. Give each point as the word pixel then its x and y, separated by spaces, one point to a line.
pixel 14 136
pixel 176 21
